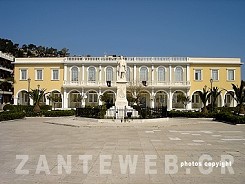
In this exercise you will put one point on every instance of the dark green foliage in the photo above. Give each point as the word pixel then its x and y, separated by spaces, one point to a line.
pixel 4 116
pixel 230 118
pixel 148 113
pixel 190 114
pixel 58 113
pixel 24 108
pixel 31 50
pixel 92 112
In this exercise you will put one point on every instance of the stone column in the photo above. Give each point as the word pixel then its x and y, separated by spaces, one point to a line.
pixel 188 107
pixel 65 73
pixel 152 74
pixel 188 73
pixel 170 74
pixel 170 100
pixel 135 72
pixel 100 93
pixel 16 101
pixel 82 74
pixel 65 100
pixel 31 101
pixel 152 98
pixel 100 74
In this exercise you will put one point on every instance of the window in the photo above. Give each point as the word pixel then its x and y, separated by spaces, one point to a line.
pixel 109 74
pixel 74 74
pixel 215 74
pixel 39 74
pixel 23 74
pixel 231 75
pixel 143 73
pixel 178 74
pixel 161 74
pixel 198 75
pixel 91 74
pixel 55 74
pixel 92 97
pixel 195 98
pixel 128 74
pixel 228 98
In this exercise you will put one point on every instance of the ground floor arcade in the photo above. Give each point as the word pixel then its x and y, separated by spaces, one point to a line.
pixel 75 97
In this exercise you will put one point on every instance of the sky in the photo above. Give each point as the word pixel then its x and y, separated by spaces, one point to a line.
pixel 192 28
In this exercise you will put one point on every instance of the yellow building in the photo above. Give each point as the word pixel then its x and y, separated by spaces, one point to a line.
pixel 79 81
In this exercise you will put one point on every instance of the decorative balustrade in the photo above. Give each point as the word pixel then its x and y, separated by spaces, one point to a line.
pixel 129 59
pixel 113 83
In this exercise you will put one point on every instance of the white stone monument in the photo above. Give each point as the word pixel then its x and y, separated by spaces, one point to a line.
pixel 121 108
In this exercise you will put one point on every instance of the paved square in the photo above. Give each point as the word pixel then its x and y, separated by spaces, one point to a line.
pixel 150 142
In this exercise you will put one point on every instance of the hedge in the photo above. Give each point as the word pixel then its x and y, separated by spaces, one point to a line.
pixel 230 118
pixel 190 114
pixel 4 116
pixel 92 112
pixel 58 113
pixel 26 108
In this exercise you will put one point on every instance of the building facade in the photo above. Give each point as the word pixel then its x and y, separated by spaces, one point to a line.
pixel 79 81
pixel 6 79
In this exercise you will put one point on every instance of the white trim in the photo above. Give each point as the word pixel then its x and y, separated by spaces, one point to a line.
pixel 147 72
pixel 158 73
pixel 21 74
pixel 36 74
pixel 105 72
pixel 211 76
pixel 52 69
pixel 195 75
pixel 227 74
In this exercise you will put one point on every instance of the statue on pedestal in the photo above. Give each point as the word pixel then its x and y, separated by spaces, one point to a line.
pixel 121 68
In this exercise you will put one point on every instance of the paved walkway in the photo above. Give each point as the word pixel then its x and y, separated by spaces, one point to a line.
pixel 161 151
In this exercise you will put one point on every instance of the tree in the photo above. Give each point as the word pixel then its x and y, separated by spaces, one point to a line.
pixel 204 96
pixel 239 96
pixel 54 99
pixel 184 99
pixel 37 95
pixel 107 99
pixel 134 94
pixel 214 93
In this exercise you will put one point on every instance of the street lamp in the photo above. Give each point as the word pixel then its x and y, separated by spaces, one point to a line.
pixel 211 83
pixel 29 82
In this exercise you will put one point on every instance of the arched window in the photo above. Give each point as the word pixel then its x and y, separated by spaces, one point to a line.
pixel 178 74
pixel 74 73
pixel 128 74
pixel 91 74
pixel 109 74
pixel 143 73
pixel 161 74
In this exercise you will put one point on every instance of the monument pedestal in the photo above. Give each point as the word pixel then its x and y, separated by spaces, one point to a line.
pixel 121 108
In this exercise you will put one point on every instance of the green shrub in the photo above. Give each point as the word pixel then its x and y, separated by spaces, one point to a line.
pixel 25 108
pixel 91 112
pixel 58 113
pixel 190 114
pixel 230 118
pixel 4 116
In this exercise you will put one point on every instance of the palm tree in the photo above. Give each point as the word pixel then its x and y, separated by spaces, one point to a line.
pixel 204 96
pixel 238 95
pixel 37 95
pixel 215 92
pixel 54 99
pixel 184 99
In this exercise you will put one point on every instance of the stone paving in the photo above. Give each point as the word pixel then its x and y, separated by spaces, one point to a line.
pixel 105 142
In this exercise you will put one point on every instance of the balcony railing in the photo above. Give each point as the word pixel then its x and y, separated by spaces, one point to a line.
pixel 113 83
pixel 133 59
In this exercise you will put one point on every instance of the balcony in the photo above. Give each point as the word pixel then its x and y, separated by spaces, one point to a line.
pixel 113 84
pixel 88 84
